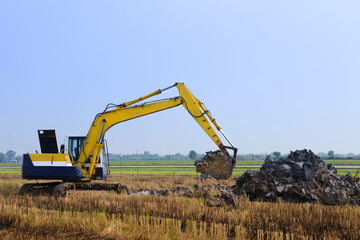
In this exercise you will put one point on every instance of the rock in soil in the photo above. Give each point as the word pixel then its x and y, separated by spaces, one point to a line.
pixel 216 164
pixel 302 177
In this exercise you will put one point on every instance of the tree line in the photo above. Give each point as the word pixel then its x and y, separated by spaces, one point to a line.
pixel 147 156
pixel 10 156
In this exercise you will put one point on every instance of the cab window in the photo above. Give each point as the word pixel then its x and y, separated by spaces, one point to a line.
pixel 75 144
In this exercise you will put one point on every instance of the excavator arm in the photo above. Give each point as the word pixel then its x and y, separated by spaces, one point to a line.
pixel 93 143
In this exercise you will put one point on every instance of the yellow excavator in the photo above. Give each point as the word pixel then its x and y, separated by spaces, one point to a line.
pixel 82 159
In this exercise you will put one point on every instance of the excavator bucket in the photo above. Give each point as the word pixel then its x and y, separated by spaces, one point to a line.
pixel 217 164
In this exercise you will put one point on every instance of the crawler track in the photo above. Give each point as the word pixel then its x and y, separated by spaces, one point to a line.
pixel 60 189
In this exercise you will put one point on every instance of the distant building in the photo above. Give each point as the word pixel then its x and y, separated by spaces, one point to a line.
pixel 15 161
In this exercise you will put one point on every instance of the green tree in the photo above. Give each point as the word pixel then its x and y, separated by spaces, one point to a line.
pixel 2 157
pixel 276 154
pixel 10 155
pixel 192 155
pixel 331 154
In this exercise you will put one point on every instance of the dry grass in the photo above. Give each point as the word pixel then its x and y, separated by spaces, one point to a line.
pixel 104 215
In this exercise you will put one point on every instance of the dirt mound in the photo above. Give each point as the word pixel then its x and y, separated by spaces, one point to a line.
pixel 216 164
pixel 301 177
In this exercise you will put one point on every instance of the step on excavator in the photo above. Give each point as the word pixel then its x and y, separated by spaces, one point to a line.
pixel 84 159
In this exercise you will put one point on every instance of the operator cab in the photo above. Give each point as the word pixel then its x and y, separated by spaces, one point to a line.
pixel 73 145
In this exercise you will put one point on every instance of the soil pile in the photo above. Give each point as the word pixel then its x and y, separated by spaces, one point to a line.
pixel 216 164
pixel 301 177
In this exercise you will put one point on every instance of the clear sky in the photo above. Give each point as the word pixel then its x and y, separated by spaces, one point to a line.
pixel 276 75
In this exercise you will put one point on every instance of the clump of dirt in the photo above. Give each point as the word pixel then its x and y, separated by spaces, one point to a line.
pixel 178 191
pixel 213 195
pixel 301 177
pixel 216 164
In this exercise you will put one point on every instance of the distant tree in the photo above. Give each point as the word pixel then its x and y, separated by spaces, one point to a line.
pixel 10 155
pixel 331 154
pixel 192 155
pixel 2 158
pixel 146 153
pixel 19 157
pixel 276 155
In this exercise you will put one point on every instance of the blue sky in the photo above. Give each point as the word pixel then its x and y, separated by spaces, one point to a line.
pixel 276 75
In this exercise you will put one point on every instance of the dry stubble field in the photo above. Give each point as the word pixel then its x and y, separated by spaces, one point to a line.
pixel 107 215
